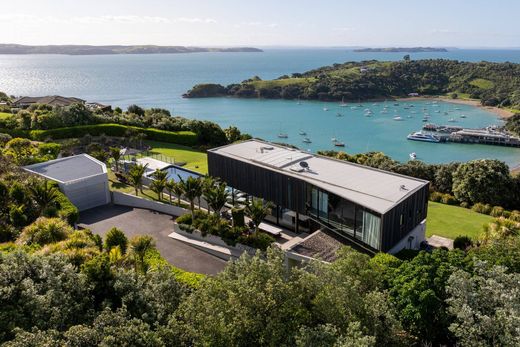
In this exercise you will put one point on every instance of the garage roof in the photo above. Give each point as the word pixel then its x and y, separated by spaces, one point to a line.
pixel 69 169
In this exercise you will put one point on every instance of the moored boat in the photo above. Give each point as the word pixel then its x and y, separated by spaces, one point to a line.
pixel 420 136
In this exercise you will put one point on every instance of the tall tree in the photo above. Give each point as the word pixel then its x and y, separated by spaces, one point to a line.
pixel 257 210
pixel 135 177
pixel 115 153
pixel 192 189
pixel 139 246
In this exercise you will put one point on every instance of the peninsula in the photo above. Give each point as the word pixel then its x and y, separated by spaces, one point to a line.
pixel 116 49
pixel 494 84
pixel 401 50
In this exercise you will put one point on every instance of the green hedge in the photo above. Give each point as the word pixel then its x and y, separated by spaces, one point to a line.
pixel 187 138
pixel 66 210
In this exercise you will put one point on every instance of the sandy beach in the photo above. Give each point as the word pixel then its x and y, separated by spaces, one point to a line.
pixel 502 113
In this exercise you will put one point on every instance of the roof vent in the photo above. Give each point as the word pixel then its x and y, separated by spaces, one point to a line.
pixel 304 165
pixel 403 187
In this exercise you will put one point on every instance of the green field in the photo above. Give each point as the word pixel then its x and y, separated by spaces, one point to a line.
pixel 5 115
pixel 452 221
pixel 282 82
pixel 482 83
pixel 195 160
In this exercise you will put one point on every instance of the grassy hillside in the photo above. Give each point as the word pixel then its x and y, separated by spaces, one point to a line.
pixel 495 84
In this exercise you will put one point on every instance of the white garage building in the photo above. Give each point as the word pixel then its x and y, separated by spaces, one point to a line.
pixel 82 178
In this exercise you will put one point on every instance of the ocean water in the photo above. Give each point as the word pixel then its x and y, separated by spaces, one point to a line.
pixel 160 80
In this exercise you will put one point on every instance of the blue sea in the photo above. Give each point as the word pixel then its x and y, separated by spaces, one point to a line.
pixel 160 80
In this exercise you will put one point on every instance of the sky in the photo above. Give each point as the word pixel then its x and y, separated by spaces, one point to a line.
pixel 321 23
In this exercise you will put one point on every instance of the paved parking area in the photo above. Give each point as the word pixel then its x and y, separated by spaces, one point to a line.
pixel 136 221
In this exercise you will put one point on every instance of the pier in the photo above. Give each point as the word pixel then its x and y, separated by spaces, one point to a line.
pixel 488 136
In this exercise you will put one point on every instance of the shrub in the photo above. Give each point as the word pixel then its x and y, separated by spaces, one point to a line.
pixel 436 196
pixel 448 199
pixel 184 219
pixel 116 238
pixel 515 216
pixel 238 217
pixel 462 242
pixel 44 231
pixel 464 204
pixel 7 233
pixel 497 211
pixel 187 228
pixel 66 210
pixel 259 241
pixel 481 208
pixel 506 214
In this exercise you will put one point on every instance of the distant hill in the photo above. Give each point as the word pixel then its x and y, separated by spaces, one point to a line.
pixel 401 50
pixel 91 50
pixel 495 84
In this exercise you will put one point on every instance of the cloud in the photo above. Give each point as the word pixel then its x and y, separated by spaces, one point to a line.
pixel 259 24
pixel 123 19
pixel 195 20
pixel 345 29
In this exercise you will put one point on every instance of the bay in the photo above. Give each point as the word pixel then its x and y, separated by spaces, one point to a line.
pixel 160 80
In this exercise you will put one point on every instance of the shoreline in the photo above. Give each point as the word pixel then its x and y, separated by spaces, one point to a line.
pixel 502 113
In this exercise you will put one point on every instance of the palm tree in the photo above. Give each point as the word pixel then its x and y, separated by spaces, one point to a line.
pixel 139 246
pixel 135 177
pixel 170 186
pixel 192 189
pixel 159 174
pixel 44 194
pixel 158 186
pixel 115 153
pixel 216 197
pixel 178 190
pixel 257 211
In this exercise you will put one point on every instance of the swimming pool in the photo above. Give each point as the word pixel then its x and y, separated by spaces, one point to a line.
pixel 175 171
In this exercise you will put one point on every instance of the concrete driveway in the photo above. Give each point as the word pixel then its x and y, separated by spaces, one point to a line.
pixel 135 221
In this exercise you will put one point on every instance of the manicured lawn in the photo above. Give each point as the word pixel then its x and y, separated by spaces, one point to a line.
pixel 452 221
pixel 195 160
pixel 482 83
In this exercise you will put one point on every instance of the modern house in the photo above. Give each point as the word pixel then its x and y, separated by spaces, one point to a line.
pixel 334 201
pixel 82 178
pixel 52 100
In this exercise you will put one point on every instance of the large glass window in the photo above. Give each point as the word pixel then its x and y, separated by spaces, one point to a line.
pixel 346 217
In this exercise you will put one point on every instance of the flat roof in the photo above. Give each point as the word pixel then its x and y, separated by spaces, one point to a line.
pixel 69 168
pixel 375 189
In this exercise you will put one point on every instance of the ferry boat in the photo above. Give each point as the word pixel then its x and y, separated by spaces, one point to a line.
pixel 420 136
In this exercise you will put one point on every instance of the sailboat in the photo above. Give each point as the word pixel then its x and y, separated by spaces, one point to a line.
pixel 282 135
pixel 343 103
pixel 299 102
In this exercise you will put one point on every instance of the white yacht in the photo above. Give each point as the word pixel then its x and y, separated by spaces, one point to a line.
pixel 307 140
pixel 420 136
pixel 397 118
pixel 413 156
pixel 283 135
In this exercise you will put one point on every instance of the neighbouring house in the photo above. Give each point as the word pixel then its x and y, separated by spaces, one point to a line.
pixel 333 201
pixel 82 178
pixel 98 106
pixel 52 100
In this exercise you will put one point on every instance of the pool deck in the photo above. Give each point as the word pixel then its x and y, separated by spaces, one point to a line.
pixel 153 164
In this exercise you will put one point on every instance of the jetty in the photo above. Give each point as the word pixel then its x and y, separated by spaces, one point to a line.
pixel 491 135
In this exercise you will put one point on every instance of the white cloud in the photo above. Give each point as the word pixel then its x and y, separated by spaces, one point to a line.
pixel 124 19
pixel 259 24
pixel 195 20
pixel 345 29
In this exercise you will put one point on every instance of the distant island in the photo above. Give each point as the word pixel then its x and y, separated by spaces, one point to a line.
pixel 93 50
pixel 401 50
pixel 494 84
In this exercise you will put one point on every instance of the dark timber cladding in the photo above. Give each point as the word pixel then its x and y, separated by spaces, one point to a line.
pixel 371 207
pixel 261 182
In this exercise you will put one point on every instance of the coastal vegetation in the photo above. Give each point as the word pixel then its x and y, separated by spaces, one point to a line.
pixel 494 84
pixel 401 49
